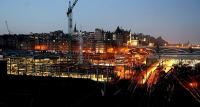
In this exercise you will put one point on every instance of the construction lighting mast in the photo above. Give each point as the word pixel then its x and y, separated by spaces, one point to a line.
pixel 7 27
pixel 70 23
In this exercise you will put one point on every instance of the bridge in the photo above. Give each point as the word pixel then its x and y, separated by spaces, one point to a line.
pixel 179 53
pixel 165 52
pixel 166 49
pixel 180 56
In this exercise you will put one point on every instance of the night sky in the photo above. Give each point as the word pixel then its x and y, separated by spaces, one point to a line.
pixel 177 21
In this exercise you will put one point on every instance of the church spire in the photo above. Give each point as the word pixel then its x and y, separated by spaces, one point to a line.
pixel 75 29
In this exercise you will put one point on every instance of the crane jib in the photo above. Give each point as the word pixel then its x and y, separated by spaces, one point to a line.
pixel 71 7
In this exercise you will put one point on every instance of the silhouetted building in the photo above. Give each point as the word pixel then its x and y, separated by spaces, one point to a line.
pixel 3 68
pixel 8 42
pixel 98 41
pixel 121 36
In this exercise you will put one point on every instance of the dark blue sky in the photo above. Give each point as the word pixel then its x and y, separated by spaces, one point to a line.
pixel 174 20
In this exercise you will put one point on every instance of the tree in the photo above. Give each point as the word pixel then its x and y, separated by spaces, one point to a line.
pixel 160 41
pixel 191 50
pixel 157 48
pixel 197 67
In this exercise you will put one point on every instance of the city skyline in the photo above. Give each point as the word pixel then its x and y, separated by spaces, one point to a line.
pixel 56 52
pixel 175 20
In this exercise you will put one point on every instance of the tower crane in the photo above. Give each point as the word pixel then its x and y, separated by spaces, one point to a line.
pixel 7 27
pixel 70 25
pixel 69 15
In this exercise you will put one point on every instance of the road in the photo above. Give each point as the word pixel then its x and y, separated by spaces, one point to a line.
pixel 151 74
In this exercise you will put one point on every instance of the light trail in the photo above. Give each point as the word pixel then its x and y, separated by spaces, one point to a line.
pixel 150 74
pixel 183 83
pixel 152 78
pixel 149 71
pixel 168 65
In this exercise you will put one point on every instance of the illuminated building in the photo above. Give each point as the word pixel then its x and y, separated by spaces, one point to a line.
pixel 151 44
pixel 134 42
pixel 41 47
pixel 99 39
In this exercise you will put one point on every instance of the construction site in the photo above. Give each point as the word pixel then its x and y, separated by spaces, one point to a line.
pixel 45 69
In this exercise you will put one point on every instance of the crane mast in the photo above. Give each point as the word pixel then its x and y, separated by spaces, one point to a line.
pixel 70 26
pixel 7 27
